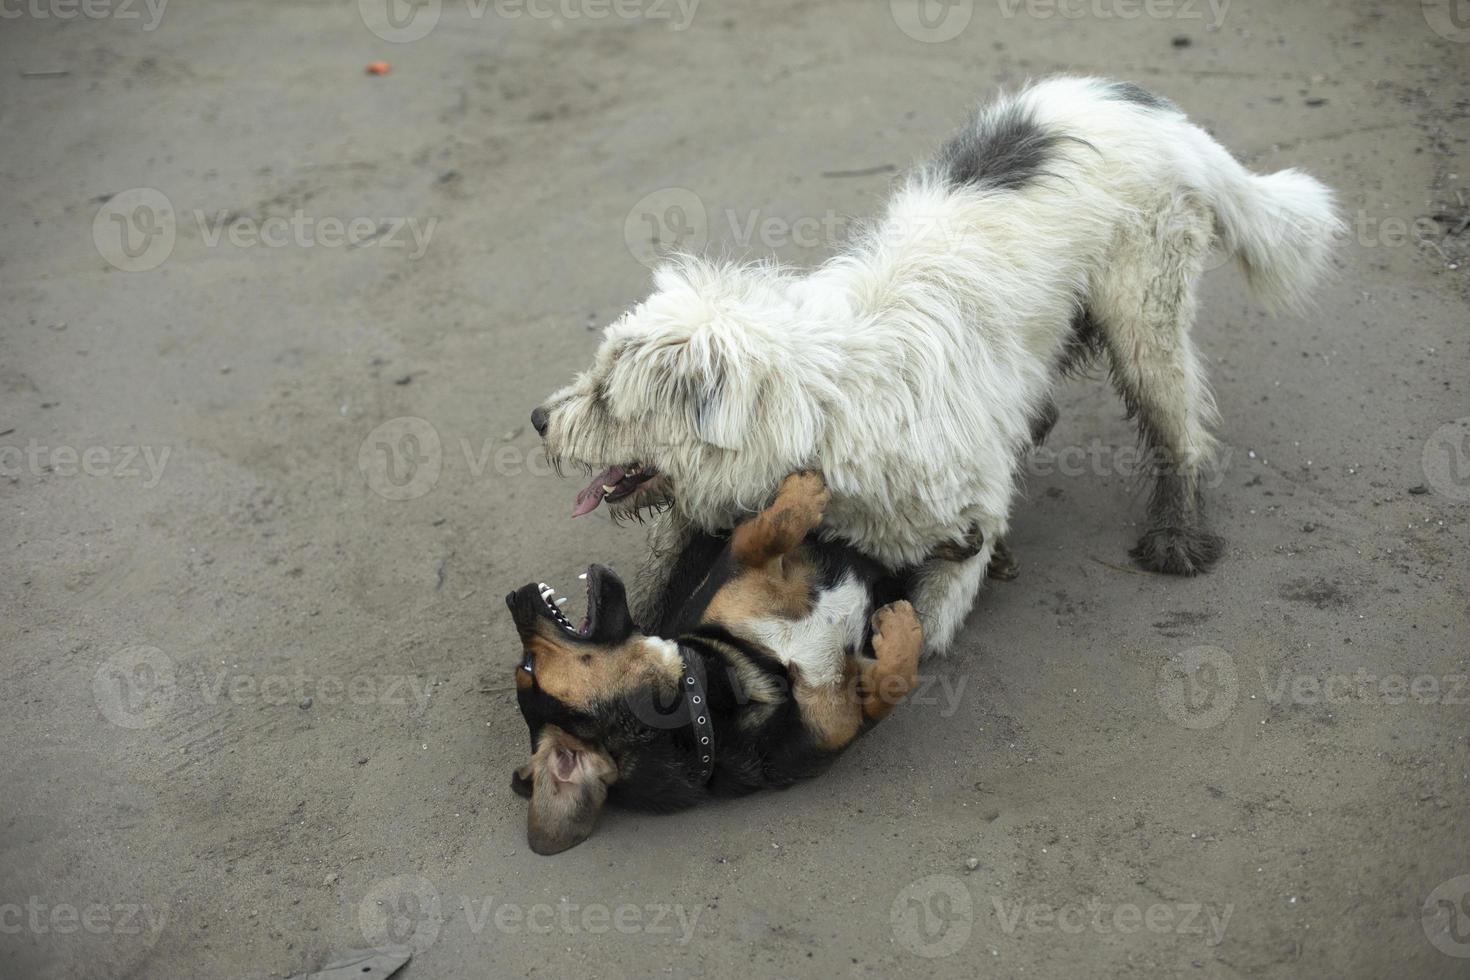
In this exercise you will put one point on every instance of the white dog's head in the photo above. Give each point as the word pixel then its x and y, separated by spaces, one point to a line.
pixel 694 398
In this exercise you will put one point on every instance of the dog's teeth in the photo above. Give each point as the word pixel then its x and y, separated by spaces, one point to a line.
pixel 582 576
pixel 562 601
pixel 609 487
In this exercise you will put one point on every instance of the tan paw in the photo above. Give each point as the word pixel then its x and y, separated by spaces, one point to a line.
pixel 803 496
pixel 896 632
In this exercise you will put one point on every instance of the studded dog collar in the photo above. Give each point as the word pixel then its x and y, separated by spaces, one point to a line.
pixel 696 701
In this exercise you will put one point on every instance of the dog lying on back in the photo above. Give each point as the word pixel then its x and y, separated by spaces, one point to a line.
pixel 1065 223
pixel 760 678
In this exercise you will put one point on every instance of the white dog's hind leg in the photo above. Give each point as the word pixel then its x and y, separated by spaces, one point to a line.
pixel 1143 307
pixel 943 593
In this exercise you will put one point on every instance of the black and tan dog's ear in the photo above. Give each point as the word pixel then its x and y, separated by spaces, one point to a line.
pixel 569 780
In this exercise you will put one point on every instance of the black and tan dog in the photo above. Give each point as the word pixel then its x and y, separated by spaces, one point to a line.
pixel 760 678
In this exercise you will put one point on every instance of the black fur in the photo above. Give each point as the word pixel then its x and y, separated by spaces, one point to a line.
pixel 1005 150
pixel 1138 95
pixel 1177 542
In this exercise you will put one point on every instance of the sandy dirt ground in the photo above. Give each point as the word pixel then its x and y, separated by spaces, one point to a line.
pixel 270 328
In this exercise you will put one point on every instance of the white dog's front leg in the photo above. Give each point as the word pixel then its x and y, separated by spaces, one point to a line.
pixel 943 594
pixel 668 536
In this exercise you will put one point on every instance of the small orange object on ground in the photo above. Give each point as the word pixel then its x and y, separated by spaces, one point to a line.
pixel 379 68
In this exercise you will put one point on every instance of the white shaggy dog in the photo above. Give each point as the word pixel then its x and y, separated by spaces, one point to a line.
pixel 915 369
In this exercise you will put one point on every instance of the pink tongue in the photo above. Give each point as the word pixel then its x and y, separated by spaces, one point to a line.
pixel 588 499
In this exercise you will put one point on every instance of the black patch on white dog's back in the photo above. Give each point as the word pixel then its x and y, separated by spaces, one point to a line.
pixel 1004 149
pixel 1138 95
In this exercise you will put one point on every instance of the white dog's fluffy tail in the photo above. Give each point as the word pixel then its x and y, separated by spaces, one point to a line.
pixel 1280 226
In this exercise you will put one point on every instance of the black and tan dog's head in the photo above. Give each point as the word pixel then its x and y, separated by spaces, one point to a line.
pixel 600 701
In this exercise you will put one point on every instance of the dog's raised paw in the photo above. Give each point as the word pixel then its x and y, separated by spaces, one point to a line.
pixel 804 495
pixel 896 628
pixel 1178 551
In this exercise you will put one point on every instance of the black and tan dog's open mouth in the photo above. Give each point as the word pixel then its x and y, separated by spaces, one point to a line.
pixel 614 484
pixel 606 620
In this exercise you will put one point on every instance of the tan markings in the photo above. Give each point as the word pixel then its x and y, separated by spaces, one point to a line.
pixel 831 711
pixel 775 577
pixel 582 674
pixel 778 529
pixel 897 641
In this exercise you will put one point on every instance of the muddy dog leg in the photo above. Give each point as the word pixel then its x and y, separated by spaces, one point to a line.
pixel 943 592
pixel 1143 308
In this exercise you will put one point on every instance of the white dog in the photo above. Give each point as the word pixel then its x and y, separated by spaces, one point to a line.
pixel 915 368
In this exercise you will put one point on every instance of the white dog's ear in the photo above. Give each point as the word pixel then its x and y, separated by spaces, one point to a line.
pixel 723 395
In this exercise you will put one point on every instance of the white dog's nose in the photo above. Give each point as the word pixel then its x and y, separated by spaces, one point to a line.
pixel 539 418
